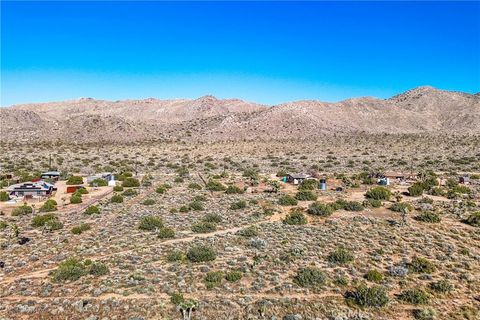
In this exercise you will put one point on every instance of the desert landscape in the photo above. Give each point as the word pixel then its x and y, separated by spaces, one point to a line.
pixel 224 209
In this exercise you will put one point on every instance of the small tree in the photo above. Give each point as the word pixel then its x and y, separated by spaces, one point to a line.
pixel 75 180
pixel 185 306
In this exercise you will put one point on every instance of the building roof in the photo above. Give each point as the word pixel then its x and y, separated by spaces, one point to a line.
pixel 51 173
pixel 39 185
pixel 299 175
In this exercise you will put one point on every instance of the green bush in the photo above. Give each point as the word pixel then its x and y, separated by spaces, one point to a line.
pixel 428 216
pixel 118 189
pixel 437 191
pixel 374 276
pixel 233 190
pixel 414 296
pixel 378 193
pixel 341 256
pixel 196 206
pixel 441 286
pixel 310 277
pixel 194 186
pixel 295 218
pixel 416 189
pixel 72 180
pixel 401 206
pixel 3 225
pixel 473 219
pixel 309 184
pixel 175 255
pixel 54 224
pixel 424 314
pixel 320 209
pixel 201 253
pixel 49 206
pixel 212 218
pixel 352 206
pixel 364 296
pixel 161 189
pixel 99 182
pixel 166 233
pixel 421 265
pixel 305 195
pixel 287 200
pixel 148 202
pixel 80 192
pixel 41 220
pixel 116 198
pixel 4 196
pixel 213 279
pixel 130 193
pixel 75 199
pixel 73 269
pixel 372 203
pixel 130 182
pixel 204 227
pixel 250 231
pixel 234 276
pixel 150 223
pixel 238 205
pixel 81 228
pixel 213 185
pixel 22 210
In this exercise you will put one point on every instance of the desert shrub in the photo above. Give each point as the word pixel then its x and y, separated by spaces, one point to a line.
pixel 200 198
pixel 441 286
pixel 73 269
pixel 461 189
pixel 201 253
pixel 212 218
pixel 99 182
pixel 184 209
pixel 129 193
pixel 41 220
pixel 3 224
pixel 74 199
pixel 49 206
pixel 178 180
pixel 194 186
pixel 196 206
pixel 372 203
pixel 161 189
pixel 305 195
pixel 213 279
pixel 364 296
pixel 378 193
pixel 374 276
pixel 233 190
pixel 414 296
pixel 341 256
pixel 309 184
pixel 238 205
pixel 116 198
pixel 401 206
pixel 424 314
pixel 175 255
pixel 72 180
pixel 428 216
pixel 95 268
pixel 22 210
pixel 80 192
pixel 54 224
pixel 341 281
pixel 150 223
pixel 287 200
pixel 130 182
pixel 250 231
pixel 166 233
pixel 295 218
pixel 4 196
pixel 204 227
pixel 81 228
pixel 118 189
pixel 234 276
pixel 421 265
pixel 213 185
pixel 320 209
pixel 310 277
pixel 416 189
pixel 473 219
pixel 437 191
pixel 353 206
pixel 148 202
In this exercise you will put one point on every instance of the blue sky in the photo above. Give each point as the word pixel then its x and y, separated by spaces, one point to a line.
pixel 267 52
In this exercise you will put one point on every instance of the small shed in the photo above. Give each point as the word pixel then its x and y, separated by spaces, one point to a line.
pixel 53 175
pixel 74 188
pixel 297 178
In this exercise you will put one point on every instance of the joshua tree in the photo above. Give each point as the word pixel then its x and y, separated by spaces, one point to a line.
pixel 404 216
pixel 185 306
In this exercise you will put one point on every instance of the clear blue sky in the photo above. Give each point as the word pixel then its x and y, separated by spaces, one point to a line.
pixel 268 52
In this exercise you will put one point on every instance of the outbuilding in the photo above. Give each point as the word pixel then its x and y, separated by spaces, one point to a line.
pixel 297 178
pixel 53 175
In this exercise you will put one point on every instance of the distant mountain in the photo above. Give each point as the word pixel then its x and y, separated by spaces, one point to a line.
pixel 420 110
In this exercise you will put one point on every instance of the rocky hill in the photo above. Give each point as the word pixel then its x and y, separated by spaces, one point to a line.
pixel 420 110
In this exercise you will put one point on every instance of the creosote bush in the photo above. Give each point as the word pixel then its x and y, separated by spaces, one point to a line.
pixel 150 223
pixel 49 206
pixel 201 253
pixel 234 276
pixel 166 233
pixel 295 217
pixel 341 256
pixel 287 200
pixel 42 220
pixel 73 269
pixel 148 202
pixel 214 185
pixel 130 182
pixel 305 195
pixel 421 265
pixel 374 276
pixel 212 218
pixel 72 180
pixel 310 277
pixel 92 210
pixel 364 296
pixel 441 286
pixel 213 279
pixel 249 232
pixel 4 196
pixel 320 209
pixel 116 198
pixel 22 210
pixel 473 219
pixel 378 193
pixel 238 205
pixel 233 190
pixel 204 227
pixel 81 228
pixel 75 199
pixel 414 296
pixel 429 217
pixel 401 207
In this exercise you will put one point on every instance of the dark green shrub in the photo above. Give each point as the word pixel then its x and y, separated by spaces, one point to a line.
pixel 416 189
pixel 22 210
pixel 81 228
pixel 213 279
pixel 3 225
pixel 166 233
pixel 204 227
pixel 129 193
pixel 75 199
pixel 175 255
pixel 201 253
pixel 194 186
pixel 421 265
pixel 378 193
pixel 353 206
pixel 118 189
pixel 305 195
pixel 364 296
pixel 214 185
pixel 234 276
pixel 4 196
pixel 310 277
pixel 75 180
pixel 148 202
pixel 41 220
pixel 374 276
pixel 401 206
pixel 250 231
pixel 99 182
pixel 437 191
pixel 196 206
pixel 116 198
pixel 233 190
pixel 238 205
pixel 150 223
pixel 69 270
pixel 161 189
pixel 287 200
pixel 295 218
pixel 212 218
pixel 341 256
pixel 428 216
pixel 372 203
pixel 49 206
pixel 424 314
pixel 441 286
pixel 309 184
pixel 414 296
pixel 473 219
pixel 320 209
pixel 130 182
pixel 54 224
